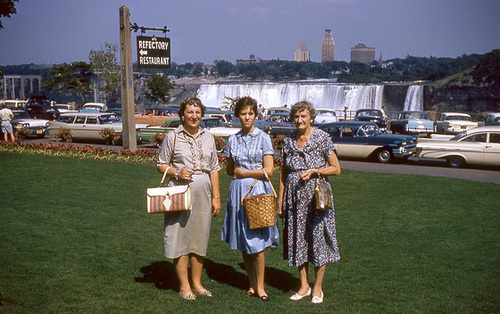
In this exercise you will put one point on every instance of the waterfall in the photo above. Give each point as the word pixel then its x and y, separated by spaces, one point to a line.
pixel 414 98
pixel 320 94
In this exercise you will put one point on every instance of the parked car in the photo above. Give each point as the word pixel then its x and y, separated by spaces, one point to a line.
pixel 85 126
pixel 41 109
pixel 454 122
pixel 64 108
pixel 14 104
pixel 365 140
pixel 35 127
pixel 273 110
pixel 156 116
pixel 492 119
pixel 412 122
pixel 225 116
pixel 115 108
pixel 373 115
pixel 478 146
pixel 278 123
pixel 95 106
pixel 325 115
pixel 214 126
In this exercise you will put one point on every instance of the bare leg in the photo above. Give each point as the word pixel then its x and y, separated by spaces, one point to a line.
pixel 248 260
pixel 181 269
pixel 260 268
pixel 304 282
pixel 12 138
pixel 318 283
pixel 5 138
pixel 196 271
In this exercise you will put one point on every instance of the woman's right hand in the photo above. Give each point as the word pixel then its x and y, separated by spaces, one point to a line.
pixel 280 211
pixel 185 173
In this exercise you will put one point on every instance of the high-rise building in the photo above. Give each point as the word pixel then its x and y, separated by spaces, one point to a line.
pixel 362 53
pixel 327 47
pixel 302 54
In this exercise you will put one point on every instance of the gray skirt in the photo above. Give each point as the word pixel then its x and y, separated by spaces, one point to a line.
pixel 188 231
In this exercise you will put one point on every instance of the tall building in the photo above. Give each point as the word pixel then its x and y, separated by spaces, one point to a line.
pixel 362 53
pixel 302 54
pixel 327 47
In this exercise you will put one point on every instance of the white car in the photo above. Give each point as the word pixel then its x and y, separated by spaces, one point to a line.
pixel 492 118
pixel 454 122
pixel 325 115
pixel 65 108
pixel 95 106
pixel 35 127
pixel 478 146
pixel 87 125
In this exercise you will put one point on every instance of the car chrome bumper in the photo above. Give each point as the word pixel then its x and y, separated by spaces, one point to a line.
pixel 404 151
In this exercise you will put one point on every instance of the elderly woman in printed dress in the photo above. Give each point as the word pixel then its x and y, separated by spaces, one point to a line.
pixel 189 156
pixel 249 153
pixel 308 234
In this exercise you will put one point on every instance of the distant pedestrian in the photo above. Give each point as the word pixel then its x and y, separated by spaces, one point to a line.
pixel 6 115
pixel 260 115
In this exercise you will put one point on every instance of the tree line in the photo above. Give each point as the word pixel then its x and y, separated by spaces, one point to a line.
pixel 102 72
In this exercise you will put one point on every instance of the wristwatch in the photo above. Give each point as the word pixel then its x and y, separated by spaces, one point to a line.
pixel 177 174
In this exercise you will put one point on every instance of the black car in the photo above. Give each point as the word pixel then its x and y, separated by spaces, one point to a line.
pixel 372 115
pixel 41 109
pixel 365 140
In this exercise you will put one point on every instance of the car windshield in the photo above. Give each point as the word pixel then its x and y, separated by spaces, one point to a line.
pixel 21 115
pixel 210 123
pixel 369 114
pixel 326 113
pixel 415 115
pixel 368 130
pixel 459 118
pixel 109 119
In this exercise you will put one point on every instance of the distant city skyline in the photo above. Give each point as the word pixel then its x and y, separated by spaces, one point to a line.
pixel 64 31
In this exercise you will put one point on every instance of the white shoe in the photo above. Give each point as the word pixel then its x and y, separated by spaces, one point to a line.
pixel 297 297
pixel 318 300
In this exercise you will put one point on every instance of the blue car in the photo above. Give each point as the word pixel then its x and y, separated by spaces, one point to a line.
pixel 412 122
pixel 365 140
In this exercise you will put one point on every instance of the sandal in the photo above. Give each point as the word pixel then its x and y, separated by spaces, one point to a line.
pixel 206 293
pixel 189 297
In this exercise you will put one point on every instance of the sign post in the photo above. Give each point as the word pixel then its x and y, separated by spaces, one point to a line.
pixel 129 135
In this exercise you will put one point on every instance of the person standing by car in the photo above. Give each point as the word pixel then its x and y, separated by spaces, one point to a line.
pixel 7 115
pixel 309 234
pixel 189 155
pixel 249 153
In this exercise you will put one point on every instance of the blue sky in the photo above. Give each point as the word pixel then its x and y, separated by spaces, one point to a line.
pixel 57 31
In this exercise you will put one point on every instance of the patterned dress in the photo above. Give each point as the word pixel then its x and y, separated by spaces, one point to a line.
pixel 188 231
pixel 247 152
pixel 308 234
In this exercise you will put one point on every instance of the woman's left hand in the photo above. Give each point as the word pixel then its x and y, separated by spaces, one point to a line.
pixel 308 174
pixel 215 206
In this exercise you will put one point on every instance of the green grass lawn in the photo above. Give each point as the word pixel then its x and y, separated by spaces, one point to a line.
pixel 75 237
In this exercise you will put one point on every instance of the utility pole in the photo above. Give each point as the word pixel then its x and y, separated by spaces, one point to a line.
pixel 127 82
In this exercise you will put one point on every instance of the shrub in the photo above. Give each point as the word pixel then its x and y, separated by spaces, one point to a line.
pixel 64 135
pixel 109 135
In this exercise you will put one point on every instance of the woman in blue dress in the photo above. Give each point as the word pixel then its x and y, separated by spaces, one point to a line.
pixel 249 152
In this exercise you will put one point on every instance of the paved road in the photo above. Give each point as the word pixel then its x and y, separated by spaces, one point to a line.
pixel 418 167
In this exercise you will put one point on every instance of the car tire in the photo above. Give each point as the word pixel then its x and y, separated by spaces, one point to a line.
pixel 456 161
pixel 383 155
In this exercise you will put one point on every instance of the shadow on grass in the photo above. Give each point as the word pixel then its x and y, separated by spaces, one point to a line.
pixel 162 275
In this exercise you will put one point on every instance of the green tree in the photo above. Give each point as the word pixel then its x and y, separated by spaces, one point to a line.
pixel 75 77
pixel 224 68
pixel 159 88
pixel 105 65
pixel 7 8
pixel 487 71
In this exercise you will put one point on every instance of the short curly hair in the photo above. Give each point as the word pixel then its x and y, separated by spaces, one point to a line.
pixel 303 105
pixel 191 101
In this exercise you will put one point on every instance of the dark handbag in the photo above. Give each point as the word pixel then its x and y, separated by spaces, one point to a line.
pixel 323 194
pixel 260 209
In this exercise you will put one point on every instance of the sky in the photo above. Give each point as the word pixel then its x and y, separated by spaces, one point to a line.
pixel 64 31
